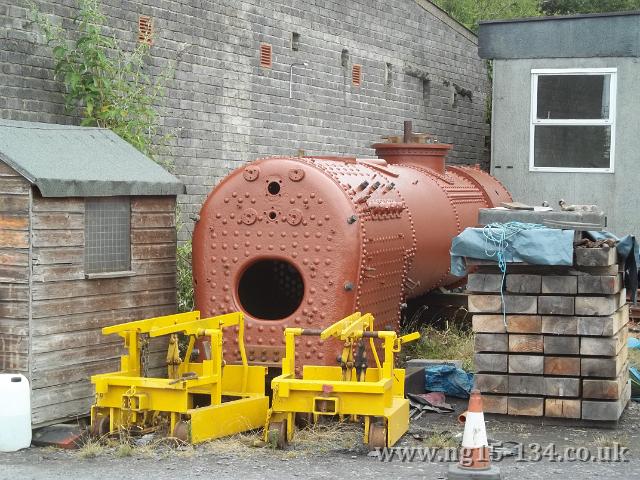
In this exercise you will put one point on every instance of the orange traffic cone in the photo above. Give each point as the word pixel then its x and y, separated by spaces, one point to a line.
pixel 474 454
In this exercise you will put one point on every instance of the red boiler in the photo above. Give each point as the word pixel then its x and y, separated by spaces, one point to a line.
pixel 306 241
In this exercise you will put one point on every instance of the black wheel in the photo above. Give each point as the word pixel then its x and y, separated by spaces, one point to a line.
pixel 377 436
pixel 181 431
pixel 101 426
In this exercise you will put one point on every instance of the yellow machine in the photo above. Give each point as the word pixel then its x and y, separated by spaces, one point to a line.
pixel 199 401
pixel 350 389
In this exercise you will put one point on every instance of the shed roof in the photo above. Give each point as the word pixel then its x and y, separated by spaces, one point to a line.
pixel 71 161
pixel 571 36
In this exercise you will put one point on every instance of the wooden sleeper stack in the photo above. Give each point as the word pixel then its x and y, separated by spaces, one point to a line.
pixel 563 350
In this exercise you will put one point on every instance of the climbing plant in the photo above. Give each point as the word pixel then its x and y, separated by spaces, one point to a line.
pixel 570 7
pixel 470 12
pixel 106 84
pixel 184 277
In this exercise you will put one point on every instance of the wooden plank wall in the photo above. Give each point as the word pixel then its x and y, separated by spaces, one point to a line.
pixel 68 311
pixel 14 271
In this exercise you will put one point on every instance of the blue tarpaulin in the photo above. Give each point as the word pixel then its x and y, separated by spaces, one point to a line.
pixel 541 246
pixel 515 242
pixel 449 379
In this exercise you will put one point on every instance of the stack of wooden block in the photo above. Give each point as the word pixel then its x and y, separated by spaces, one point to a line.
pixel 563 350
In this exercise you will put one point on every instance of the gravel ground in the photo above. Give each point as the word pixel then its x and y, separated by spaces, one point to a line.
pixel 337 454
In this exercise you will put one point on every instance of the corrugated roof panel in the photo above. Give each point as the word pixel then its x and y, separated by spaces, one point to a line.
pixel 71 161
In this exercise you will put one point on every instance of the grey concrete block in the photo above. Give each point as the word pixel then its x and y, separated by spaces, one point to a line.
pixel 488 215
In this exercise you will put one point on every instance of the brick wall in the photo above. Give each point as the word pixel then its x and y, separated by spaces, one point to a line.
pixel 223 109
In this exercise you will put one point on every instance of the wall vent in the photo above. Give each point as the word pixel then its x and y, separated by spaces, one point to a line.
pixel 356 75
pixel 344 58
pixel 388 74
pixel 265 55
pixel 295 41
pixel 145 29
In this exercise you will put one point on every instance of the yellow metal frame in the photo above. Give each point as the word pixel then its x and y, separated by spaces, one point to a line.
pixel 232 396
pixel 377 395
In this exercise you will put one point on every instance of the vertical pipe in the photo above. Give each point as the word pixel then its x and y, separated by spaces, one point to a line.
pixel 133 355
pixel 303 64
pixel 289 360
pixel 243 353
pixel 216 346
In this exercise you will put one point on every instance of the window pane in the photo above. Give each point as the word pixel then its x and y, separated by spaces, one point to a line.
pixel 107 234
pixel 573 96
pixel 572 146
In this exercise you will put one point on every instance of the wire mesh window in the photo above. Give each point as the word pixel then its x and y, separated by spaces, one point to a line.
pixel 107 234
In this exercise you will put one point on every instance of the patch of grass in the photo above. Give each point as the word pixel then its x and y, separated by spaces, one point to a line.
pixel 327 437
pixel 124 449
pixel 453 343
pixel 322 438
pixel 440 440
pixel 165 447
pixel 610 440
pixel 126 446
pixel 241 444
pixel 91 448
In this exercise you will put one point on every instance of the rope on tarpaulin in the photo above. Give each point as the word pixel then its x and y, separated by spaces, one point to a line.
pixel 497 239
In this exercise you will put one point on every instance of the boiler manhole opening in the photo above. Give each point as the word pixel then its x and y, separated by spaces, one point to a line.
pixel 270 289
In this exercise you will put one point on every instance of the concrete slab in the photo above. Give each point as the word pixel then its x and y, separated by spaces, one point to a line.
pixel 492 215
pixel 414 380
pixel 427 362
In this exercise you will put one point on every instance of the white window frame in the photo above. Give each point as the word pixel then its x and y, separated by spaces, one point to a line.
pixel 610 122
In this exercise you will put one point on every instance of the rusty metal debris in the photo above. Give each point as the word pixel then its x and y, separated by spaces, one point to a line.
pixel 588 243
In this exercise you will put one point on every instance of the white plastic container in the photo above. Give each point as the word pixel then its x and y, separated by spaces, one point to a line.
pixel 15 412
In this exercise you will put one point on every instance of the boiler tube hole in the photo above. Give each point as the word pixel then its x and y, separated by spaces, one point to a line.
pixel 273 188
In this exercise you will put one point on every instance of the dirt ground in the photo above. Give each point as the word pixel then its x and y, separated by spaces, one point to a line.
pixel 336 452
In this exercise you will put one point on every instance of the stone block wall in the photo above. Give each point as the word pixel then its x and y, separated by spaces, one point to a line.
pixel 223 109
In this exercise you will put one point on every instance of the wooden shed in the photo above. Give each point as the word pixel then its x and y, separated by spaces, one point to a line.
pixel 87 239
